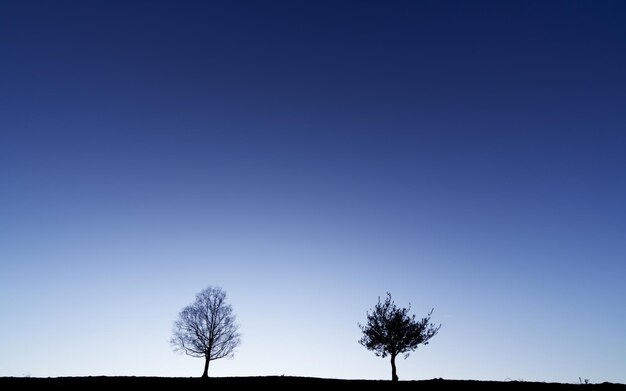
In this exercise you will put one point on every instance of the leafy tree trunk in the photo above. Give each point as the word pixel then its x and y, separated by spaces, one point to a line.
pixel 394 376
pixel 205 374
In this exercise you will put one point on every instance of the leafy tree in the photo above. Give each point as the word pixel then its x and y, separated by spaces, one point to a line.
pixel 207 328
pixel 391 331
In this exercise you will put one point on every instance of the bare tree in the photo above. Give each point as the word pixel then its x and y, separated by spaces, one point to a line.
pixel 207 328
pixel 391 331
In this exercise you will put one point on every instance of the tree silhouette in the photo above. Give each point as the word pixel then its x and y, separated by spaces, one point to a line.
pixel 391 331
pixel 207 328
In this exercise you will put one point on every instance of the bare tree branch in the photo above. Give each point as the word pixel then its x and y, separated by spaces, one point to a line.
pixel 207 328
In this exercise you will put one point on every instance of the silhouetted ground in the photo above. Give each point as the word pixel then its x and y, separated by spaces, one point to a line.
pixel 264 382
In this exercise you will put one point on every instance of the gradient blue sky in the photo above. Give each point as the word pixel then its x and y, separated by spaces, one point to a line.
pixel 307 157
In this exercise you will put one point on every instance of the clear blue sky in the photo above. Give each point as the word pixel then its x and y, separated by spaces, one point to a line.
pixel 308 157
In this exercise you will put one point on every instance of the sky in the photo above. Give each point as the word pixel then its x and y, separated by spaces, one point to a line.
pixel 307 157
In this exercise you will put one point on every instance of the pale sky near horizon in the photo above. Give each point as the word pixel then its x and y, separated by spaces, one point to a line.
pixel 308 157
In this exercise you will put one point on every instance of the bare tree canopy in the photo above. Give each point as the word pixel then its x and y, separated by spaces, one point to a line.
pixel 207 328
pixel 391 331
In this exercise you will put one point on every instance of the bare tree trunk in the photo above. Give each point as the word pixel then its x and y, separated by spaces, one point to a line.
pixel 394 376
pixel 205 374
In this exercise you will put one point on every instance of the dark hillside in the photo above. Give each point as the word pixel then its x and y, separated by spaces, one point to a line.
pixel 114 383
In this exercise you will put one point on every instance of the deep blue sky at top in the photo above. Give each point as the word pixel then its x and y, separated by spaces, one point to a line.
pixel 512 106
